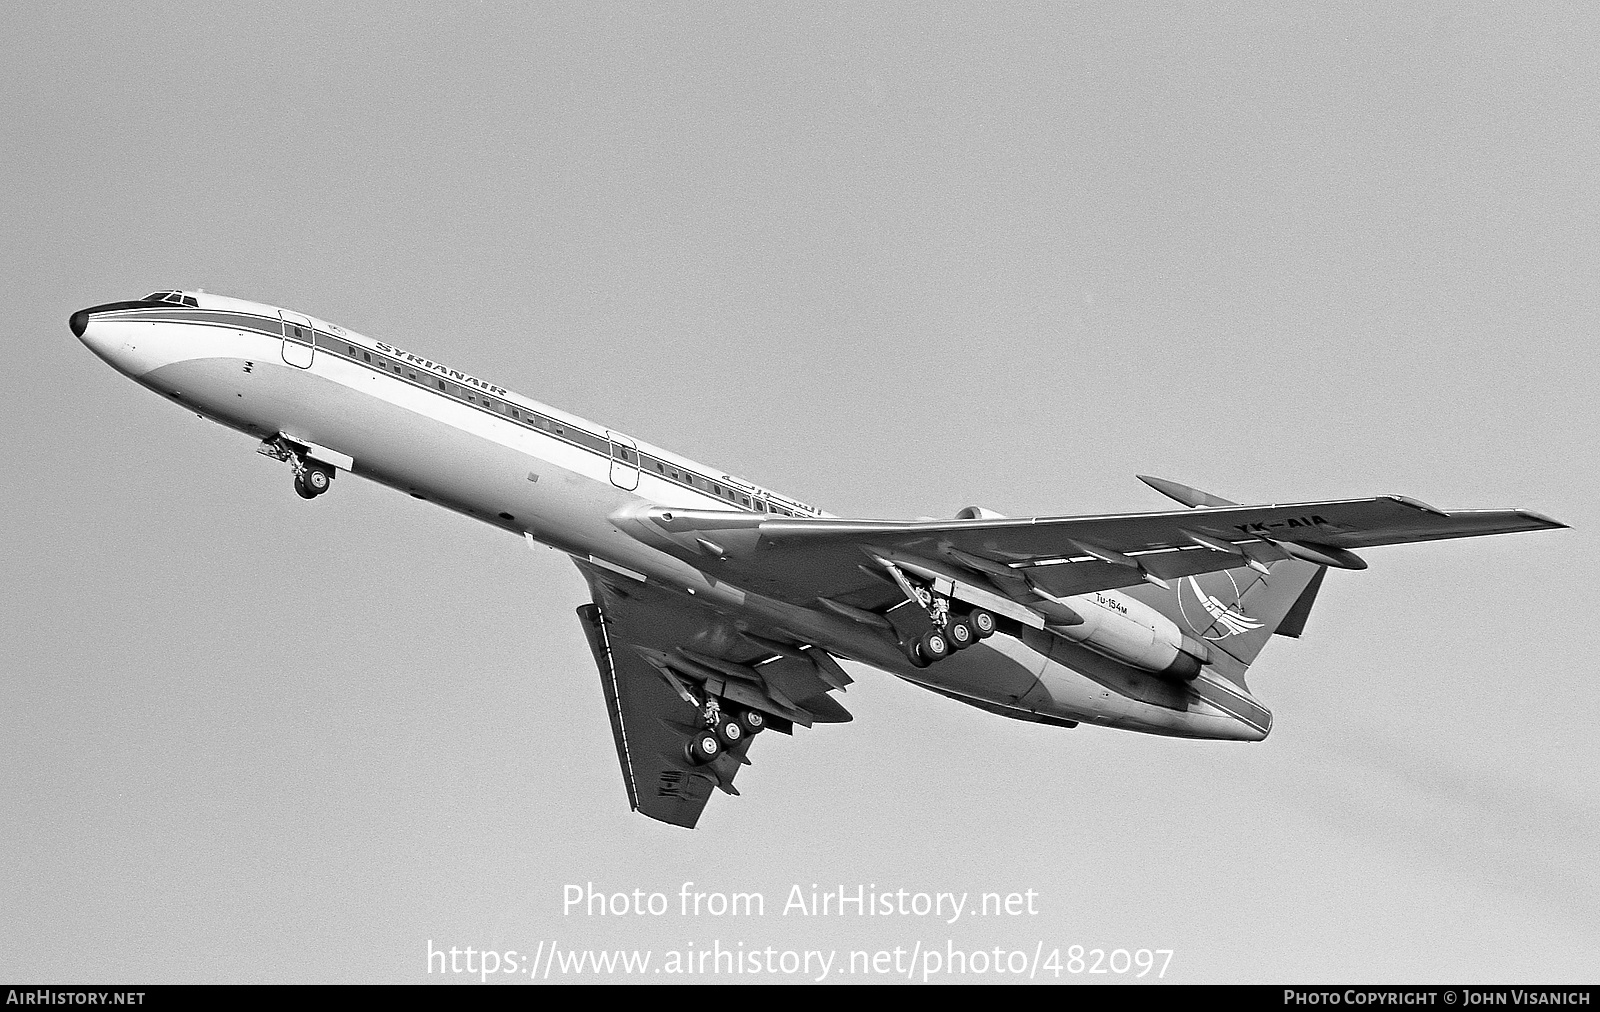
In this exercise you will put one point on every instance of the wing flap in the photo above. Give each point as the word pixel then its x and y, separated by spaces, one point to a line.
pixel 594 631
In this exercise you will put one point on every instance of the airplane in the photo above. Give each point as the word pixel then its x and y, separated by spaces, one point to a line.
pixel 720 609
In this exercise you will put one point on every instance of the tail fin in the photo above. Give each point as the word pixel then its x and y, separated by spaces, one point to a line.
pixel 1235 611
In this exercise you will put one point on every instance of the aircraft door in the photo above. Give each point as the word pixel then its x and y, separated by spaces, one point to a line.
pixel 298 349
pixel 624 461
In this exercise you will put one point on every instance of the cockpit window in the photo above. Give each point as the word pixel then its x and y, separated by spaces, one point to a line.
pixel 190 300
pixel 158 296
pixel 176 298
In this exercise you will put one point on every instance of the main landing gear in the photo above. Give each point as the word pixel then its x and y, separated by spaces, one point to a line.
pixel 934 625
pixel 951 632
pixel 949 628
pixel 724 729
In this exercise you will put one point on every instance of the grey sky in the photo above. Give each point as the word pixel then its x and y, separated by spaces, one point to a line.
pixel 894 261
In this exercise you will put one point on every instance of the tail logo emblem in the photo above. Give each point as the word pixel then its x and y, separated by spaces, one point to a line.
pixel 1212 618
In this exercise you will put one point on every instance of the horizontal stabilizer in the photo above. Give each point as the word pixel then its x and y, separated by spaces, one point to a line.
pixel 1185 494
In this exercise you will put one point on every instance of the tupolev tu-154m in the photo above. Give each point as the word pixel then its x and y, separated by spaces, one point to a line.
pixel 720 609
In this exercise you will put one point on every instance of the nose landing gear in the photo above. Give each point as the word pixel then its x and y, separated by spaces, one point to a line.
pixel 312 479
pixel 312 476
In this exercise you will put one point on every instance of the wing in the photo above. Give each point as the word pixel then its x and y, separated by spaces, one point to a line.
pixel 837 563
pixel 661 657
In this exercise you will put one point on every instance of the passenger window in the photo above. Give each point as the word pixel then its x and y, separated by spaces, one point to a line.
pixel 441 384
pixel 366 356
pixel 515 413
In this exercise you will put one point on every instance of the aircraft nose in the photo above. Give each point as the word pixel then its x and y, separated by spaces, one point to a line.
pixel 94 335
pixel 107 330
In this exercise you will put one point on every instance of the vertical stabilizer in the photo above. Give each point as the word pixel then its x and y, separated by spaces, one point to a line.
pixel 1237 610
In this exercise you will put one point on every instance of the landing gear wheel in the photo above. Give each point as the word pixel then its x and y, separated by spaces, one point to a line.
pixel 703 748
pixel 982 623
pixel 317 478
pixel 960 634
pixel 730 731
pixel 753 721
pixel 933 646
pixel 301 490
pixel 914 655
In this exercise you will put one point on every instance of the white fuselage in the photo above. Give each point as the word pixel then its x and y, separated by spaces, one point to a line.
pixel 530 469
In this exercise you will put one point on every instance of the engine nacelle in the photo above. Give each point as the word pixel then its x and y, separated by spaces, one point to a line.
pixel 979 513
pixel 1134 633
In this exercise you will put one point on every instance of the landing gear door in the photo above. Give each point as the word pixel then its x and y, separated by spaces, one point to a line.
pixel 298 348
pixel 624 461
